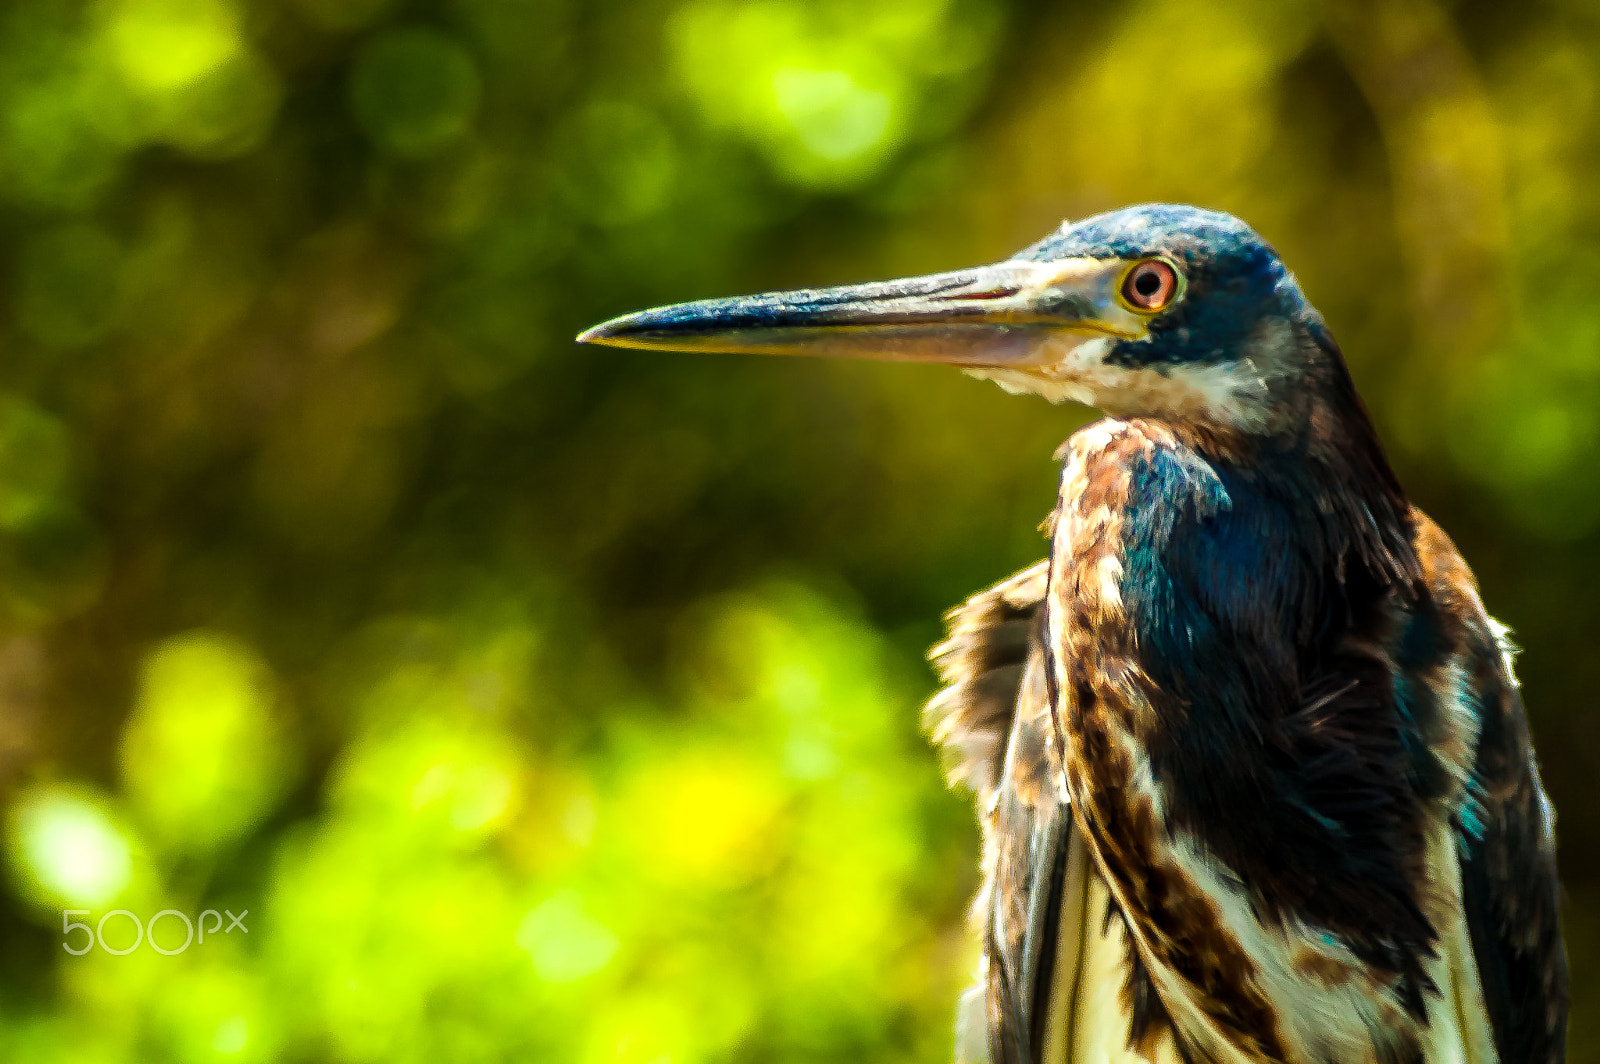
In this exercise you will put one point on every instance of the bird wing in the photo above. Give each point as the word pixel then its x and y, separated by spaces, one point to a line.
pixel 1510 893
pixel 994 724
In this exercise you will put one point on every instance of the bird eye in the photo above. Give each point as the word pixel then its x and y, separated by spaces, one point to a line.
pixel 1150 285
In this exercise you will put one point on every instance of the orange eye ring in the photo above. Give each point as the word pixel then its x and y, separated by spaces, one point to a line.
pixel 1150 286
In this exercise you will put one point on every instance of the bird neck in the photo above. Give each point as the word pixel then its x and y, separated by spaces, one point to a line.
pixel 1325 461
pixel 1346 461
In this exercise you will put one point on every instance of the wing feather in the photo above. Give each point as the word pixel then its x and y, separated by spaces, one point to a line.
pixel 987 646
pixel 1506 826
pixel 993 722
pixel 1510 890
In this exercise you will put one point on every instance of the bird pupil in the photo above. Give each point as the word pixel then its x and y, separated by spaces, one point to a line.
pixel 1147 283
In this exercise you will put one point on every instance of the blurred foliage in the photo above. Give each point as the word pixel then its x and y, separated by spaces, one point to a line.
pixel 547 703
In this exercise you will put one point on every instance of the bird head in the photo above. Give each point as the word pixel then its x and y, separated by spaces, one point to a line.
pixel 1157 310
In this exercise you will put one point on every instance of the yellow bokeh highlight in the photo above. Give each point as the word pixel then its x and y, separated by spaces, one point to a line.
pixel 204 753
pixel 829 92
pixel 834 116
pixel 564 942
pixel 182 72
pixel 69 849
pixel 166 45
pixel 441 773
pixel 217 1011
pixel 703 817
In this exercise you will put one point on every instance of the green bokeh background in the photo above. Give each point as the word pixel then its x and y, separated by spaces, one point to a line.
pixel 543 703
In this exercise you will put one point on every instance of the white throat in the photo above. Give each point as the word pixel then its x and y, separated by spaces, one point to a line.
pixel 1236 393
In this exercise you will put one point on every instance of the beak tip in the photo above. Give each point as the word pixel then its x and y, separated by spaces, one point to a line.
pixel 598 334
pixel 641 329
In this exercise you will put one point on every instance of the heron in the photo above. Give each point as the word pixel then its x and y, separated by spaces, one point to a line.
pixel 1253 773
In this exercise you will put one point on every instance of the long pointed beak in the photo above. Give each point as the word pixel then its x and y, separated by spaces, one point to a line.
pixel 995 315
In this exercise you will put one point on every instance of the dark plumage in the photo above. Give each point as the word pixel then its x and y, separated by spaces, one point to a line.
pixel 1255 780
